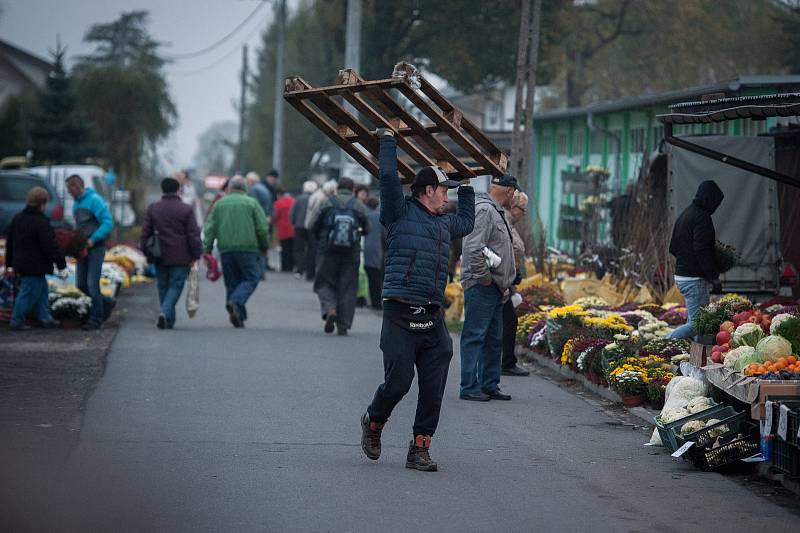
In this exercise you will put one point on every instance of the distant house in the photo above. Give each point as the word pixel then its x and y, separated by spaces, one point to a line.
pixel 20 71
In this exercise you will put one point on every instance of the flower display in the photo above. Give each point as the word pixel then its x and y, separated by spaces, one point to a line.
pixel 628 379
pixel 70 306
pixel 590 301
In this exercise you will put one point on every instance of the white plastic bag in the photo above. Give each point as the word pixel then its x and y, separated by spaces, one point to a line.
pixel 193 291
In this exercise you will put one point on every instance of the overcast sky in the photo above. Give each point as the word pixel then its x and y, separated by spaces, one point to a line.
pixel 203 88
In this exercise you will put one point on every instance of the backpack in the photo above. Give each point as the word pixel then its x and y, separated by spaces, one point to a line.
pixel 342 224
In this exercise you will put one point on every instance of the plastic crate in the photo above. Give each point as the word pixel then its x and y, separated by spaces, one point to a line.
pixel 665 431
pixel 793 419
pixel 786 458
pixel 728 418
pixel 732 446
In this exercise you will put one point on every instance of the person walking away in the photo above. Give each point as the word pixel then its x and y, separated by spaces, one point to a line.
pixel 256 189
pixel 272 183
pixel 414 333
pixel 322 194
pixel 31 251
pixel 94 220
pixel 362 193
pixel 297 215
pixel 487 273
pixel 693 244
pixel 519 206
pixel 284 228
pixel 189 196
pixel 374 248
pixel 338 225
pixel 173 223
pixel 238 226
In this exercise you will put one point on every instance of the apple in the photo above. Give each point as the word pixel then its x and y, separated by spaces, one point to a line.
pixel 716 357
pixel 728 326
pixel 723 337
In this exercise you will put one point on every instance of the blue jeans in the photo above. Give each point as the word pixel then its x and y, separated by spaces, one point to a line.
pixel 481 339
pixel 32 295
pixel 87 279
pixel 170 286
pixel 242 272
pixel 696 293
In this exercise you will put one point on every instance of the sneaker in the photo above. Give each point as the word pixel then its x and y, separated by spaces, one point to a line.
pixel 515 371
pixel 419 457
pixel 161 323
pixel 497 395
pixel 330 322
pixel 371 437
pixel 234 315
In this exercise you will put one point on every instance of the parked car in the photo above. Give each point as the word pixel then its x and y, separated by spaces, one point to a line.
pixel 14 187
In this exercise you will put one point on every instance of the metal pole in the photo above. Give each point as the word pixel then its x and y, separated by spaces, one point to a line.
pixel 352 59
pixel 242 114
pixel 280 52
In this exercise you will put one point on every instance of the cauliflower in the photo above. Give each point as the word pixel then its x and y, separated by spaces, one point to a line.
pixel 692 426
pixel 777 321
pixel 673 414
pixel 732 356
pixel 695 405
pixel 716 432
pixel 747 334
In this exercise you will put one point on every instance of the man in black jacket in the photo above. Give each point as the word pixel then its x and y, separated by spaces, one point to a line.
pixel 693 244
pixel 31 252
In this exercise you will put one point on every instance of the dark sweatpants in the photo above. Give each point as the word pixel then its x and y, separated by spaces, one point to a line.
pixel 336 285
pixel 509 335
pixel 375 281
pixel 430 352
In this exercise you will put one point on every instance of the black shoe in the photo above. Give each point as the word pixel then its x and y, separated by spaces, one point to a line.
pixel 341 330
pixel 419 457
pixel 515 371
pixel 476 397
pixel 109 308
pixel 497 395
pixel 51 324
pixel 234 315
pixel 161 323
pixel 21 327
pixel 370 438
pixel 330 322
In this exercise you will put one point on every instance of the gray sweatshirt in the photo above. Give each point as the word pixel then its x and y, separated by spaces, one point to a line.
pixel 492 231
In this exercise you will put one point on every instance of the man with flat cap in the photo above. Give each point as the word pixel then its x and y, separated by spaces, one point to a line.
pixel 414 333
pixel 487 274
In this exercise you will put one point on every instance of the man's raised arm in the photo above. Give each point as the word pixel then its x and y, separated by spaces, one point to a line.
pixel 392 200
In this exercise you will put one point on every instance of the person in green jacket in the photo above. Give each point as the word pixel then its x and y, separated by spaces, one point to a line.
pixel 238 225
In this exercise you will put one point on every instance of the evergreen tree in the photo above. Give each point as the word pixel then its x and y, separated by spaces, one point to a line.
pixel 58 134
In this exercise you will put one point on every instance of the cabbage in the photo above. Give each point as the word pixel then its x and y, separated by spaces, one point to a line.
pixel 747 334
pixel 777 321
pixel 744 360
pixel 733 356
pixel 773 348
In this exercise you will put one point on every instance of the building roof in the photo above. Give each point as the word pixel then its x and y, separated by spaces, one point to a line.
pixel 670 97
pixel 33 68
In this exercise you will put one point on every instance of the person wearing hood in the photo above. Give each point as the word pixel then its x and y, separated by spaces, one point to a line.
pixel 693 244
pixel 487 274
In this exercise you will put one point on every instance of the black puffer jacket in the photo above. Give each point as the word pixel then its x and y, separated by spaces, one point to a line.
pixel 693 237
pixel 31 246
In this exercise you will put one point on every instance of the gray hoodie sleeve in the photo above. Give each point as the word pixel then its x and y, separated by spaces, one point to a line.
pixel 474 244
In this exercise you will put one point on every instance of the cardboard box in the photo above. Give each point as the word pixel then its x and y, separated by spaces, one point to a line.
pixel 773 390
pixel 699 354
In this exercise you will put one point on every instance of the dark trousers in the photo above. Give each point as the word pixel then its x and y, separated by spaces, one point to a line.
pixel 430 352
pixel 242 272
pixel 300 249
pixel 171 280
pixel 375 281
pixel 336 285
pixel 287 255
pixel 509 335
pixel 87 279
pixel 311 257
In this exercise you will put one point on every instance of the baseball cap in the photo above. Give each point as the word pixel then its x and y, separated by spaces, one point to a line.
pixel 434 176
pixel 506 180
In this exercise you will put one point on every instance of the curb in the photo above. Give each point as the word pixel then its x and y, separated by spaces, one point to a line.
pixel 646 415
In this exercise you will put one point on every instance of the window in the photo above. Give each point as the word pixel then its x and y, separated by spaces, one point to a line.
pixel 636 141
pixel 655 136
pixel 494 115
pixel 16 189
pixel 562 144
pixel 547 146
pixel 596 142
pixel 577 148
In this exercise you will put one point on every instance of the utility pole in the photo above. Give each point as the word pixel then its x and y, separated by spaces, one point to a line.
pixel 280 53
pixel 242 114
pixel 352 59
pixel 533 62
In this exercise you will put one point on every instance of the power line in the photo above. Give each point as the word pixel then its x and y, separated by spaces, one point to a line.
pixel 212 46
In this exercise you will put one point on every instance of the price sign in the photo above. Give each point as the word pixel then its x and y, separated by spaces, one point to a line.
pixel 682 450
pixel 768 419
pixel 783 422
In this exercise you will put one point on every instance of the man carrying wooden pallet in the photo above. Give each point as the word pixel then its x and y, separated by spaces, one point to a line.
pixel 414 333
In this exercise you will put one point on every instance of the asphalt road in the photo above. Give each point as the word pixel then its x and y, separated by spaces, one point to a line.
pixel 207 428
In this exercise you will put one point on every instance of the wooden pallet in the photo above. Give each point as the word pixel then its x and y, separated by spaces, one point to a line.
pixel 375 102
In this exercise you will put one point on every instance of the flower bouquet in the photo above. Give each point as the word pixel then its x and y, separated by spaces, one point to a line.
pixel 70 307
pixel 71 242
pixel 563 323
pixel 630 381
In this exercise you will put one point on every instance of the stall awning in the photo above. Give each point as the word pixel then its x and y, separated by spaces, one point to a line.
pixel 722 109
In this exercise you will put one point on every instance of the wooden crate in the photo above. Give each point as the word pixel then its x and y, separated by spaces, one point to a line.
pixel 381 104
pixel 699 354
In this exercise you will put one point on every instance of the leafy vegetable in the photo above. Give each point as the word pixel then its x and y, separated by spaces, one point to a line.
pixel 747 334
pixel 709 319
pixel 743 360
pixel 773 348
pixel 789 329
pixel 733 356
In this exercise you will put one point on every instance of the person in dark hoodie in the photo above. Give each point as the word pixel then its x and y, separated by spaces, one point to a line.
pixel 693 243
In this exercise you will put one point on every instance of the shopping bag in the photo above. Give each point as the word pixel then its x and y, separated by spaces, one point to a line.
pixel 193 292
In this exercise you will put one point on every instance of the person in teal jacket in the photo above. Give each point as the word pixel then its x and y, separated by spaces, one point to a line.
pixel 94 220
